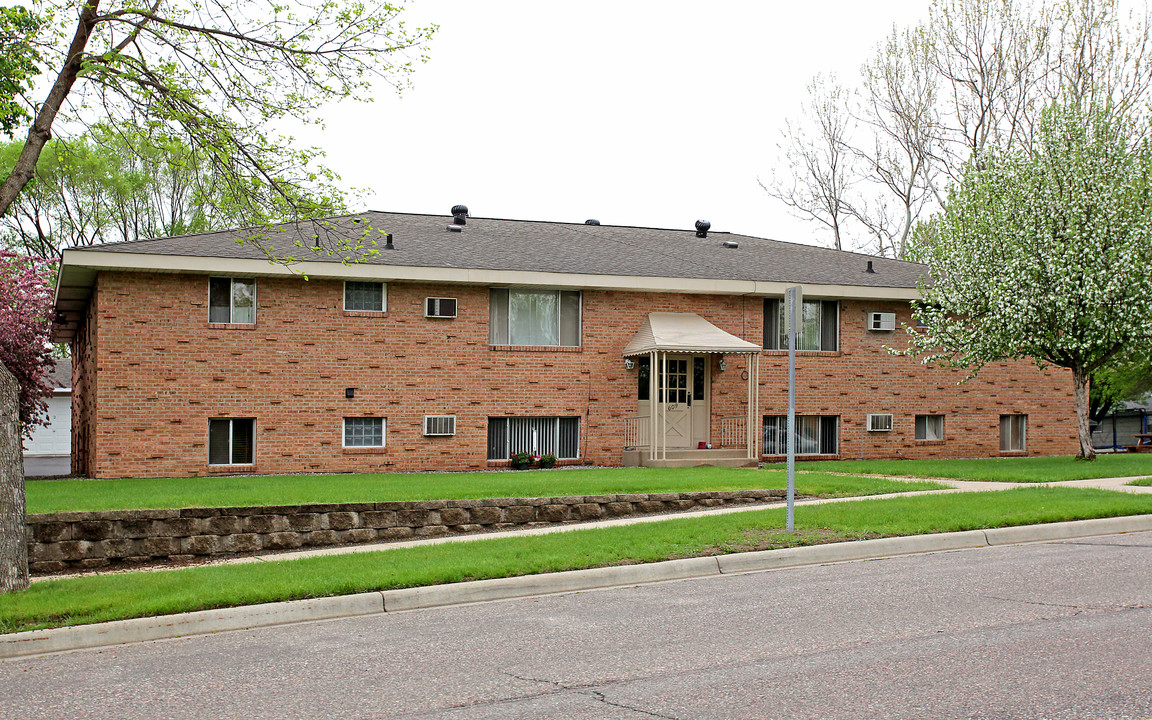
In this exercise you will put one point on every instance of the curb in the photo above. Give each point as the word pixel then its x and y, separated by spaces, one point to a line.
pixel 37 642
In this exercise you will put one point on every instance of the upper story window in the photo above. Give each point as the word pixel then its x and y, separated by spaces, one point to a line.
pixel 819 325
pixel 232 300
pixel 365 296
pixel 534 317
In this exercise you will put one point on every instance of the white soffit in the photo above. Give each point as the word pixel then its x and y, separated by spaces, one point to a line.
pixel 684 332
pixel 78 260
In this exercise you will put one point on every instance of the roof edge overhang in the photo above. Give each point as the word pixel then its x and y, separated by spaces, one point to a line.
pixel 145 262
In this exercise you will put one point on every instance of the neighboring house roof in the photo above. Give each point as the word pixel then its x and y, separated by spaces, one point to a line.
pixel 62 374
pixel 514 252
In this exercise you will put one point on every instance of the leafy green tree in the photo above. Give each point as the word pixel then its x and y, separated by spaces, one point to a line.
pixel 1128 379
pixel 217 74
pixel 19 64
pixel 117 184
pixel 1043 253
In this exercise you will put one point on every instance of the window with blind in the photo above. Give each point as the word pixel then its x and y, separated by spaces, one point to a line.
pixel 232 300
pixel 534 317
pixel 819 325
pixel 815 434
pixel 559 436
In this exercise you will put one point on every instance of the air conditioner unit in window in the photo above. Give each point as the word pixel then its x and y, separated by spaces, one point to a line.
pixel 879 423
pixel 440 307
pixel 881 321
pixel 439 424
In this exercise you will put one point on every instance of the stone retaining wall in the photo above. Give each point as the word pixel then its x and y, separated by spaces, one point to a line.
pixel 60 542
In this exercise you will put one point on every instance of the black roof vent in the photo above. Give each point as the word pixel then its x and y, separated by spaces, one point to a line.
pixel 870 267
pixel 591 222
pixel 730 244
pixel 388 242
pixel 702 228
pixel 459 214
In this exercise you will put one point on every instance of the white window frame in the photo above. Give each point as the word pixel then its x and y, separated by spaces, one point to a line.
pixel 885 419
pixel 383 432
pixel 231 299
pixel 439 434
pixel 927 418
pixel 231 439
pixel 383 295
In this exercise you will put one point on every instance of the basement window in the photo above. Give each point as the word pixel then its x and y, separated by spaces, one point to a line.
pixel 230 441
pixel 559 436
pixel 815 434
pixel 929 427
pixel 363 432
pixel 1013 432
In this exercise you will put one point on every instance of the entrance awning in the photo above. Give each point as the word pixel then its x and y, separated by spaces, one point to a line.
pixel 684 332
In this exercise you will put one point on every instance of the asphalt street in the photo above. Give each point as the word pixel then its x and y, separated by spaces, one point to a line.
pixel 1046 630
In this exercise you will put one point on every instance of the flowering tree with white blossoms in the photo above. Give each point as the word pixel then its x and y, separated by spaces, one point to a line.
pixel 1045 254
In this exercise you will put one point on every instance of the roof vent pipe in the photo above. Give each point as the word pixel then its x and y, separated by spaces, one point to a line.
pixel 388 242
pixel 702 228
pixel 591 222
pixel 870 267
pixel 731 244
pixel 459 214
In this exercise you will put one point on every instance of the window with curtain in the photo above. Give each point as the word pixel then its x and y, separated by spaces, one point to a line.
pixel 1013 432
pixel 534 317
pixel 819 325
pixel 232 300
pixel 929 427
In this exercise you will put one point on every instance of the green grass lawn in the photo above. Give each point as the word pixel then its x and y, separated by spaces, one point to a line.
pixel 1027 469
pixel 75 601
pixel 1145 482
pixel 243 491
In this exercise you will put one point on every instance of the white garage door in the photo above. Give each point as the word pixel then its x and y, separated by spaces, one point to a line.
pixel 56 438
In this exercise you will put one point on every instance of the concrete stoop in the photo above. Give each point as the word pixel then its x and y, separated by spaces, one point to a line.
pixel 683 457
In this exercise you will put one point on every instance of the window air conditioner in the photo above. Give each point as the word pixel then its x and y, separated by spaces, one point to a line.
pixel 879 423
pixel 439 424
pixel 881 321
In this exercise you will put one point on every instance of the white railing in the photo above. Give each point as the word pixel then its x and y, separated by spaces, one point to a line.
pixel 636 431
pixel 734 431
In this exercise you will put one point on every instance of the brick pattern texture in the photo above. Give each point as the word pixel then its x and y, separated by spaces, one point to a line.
pixel 162 370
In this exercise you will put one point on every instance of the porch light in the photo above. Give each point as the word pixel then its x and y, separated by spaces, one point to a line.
pixel 629 363
pixel 723 365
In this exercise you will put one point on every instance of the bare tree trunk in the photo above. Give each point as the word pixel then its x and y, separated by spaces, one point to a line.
pixel 1080 380
pixel 41 131
pixel 13 542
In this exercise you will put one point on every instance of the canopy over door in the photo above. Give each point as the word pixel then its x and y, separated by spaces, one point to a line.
pixel 684 333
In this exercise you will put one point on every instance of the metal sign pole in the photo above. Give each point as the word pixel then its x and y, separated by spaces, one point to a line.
pixel 793 303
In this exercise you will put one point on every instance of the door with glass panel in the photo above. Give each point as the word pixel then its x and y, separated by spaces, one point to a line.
pixel 682 403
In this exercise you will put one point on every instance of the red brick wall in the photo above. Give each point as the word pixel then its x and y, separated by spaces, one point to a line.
pixel 164 371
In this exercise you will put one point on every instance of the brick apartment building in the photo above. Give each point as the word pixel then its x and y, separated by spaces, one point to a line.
pixel 462 344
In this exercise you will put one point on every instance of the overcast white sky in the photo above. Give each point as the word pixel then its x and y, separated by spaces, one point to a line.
pixel 633 112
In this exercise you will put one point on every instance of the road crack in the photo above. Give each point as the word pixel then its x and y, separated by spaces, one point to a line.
pixel 599 696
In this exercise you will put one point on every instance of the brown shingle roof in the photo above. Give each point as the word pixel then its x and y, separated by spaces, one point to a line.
pixel 495 244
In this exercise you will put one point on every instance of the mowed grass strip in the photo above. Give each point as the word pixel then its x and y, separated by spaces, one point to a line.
pixel 75 601
pixel 45 496
pixel 1021 470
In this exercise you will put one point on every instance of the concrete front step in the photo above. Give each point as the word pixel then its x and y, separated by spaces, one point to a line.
pixel 682 457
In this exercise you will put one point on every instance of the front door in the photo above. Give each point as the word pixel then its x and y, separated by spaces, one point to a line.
pixel 683 400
